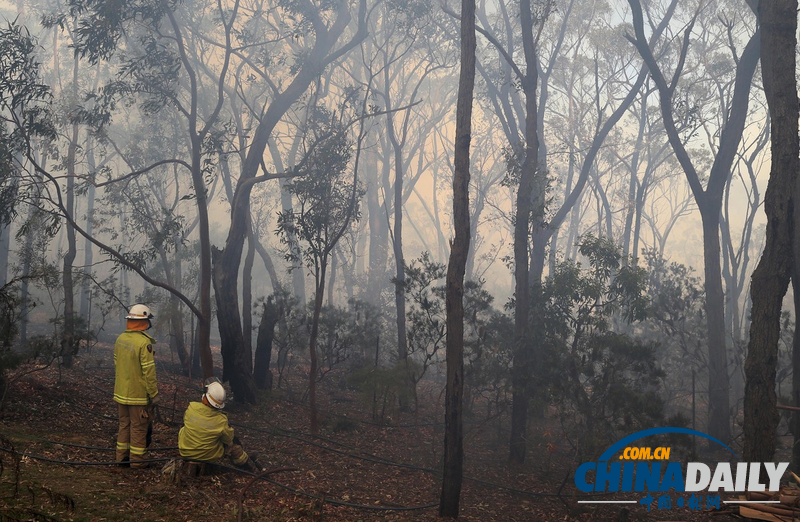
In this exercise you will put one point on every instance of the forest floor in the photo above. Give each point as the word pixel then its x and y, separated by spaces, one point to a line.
pixel 363 470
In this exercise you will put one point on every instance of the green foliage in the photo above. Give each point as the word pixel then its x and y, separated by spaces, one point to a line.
pixel 425 316
pixel 326 200
pixel 24 100
pixel 489 355
pixel 487 333
pixel 603 381
pixel 292 332
pixel 9 320
pixel 335 343
pixel 24 109
pixel 513 156
pixel 8 182
pixel 677 320
pixel 101 24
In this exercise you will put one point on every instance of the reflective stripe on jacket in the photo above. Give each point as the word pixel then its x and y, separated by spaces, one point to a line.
pixel 135 382
pixel 205 433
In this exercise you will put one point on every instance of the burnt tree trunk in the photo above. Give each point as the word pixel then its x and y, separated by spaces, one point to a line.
pixel 236 359
pixel 454 427
pixel 778 21
pixel 266 331
pixel 400 267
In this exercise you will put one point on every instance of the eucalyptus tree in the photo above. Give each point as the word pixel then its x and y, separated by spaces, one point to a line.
pixel 328 204
pixel 66 155
pixel 320 30
pixel 454 293
pixel 408 52
pixel 719 54
pixel 533 219
pixel 155 71
pixel 24 120
pixel 733 111
pixel 530 185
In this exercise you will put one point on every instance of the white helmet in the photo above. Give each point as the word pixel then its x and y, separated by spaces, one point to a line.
pixel 215 395
pixel 139 311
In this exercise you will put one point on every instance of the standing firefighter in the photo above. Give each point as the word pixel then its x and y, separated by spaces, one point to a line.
pixel 206 435
pixel 135 386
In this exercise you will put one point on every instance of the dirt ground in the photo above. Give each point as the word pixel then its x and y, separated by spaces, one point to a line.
pixel 355 470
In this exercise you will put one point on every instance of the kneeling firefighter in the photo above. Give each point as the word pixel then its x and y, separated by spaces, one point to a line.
pixel 206 435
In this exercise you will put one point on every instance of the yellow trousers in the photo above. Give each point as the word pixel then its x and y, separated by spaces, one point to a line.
pixel 132 436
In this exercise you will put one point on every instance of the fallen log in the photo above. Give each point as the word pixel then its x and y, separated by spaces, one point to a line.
pixel 758 495
pixel 749 512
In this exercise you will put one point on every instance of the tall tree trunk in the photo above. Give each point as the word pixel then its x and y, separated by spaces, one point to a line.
pixel 718 380
pixel 520 372
pixel 236 359
pixel 312 345
pixel 454 429
pixel 69 342
pixel 397 245
pixel 203 340
pixel 630 207
pixel 176 333
pixel 778 21
pixel 88 247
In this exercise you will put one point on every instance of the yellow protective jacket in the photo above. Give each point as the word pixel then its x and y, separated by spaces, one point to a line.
pixel 205 433
pixel 135 382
